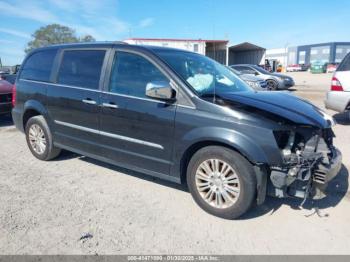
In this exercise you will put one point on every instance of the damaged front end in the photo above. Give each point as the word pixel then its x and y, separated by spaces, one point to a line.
pixel 310 161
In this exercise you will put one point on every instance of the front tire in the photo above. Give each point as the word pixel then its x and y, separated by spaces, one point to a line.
pixel 39 139
pixel 221 181
pixel 272 84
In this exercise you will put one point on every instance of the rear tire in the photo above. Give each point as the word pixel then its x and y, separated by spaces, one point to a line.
pixel 39 139
pixel 208 186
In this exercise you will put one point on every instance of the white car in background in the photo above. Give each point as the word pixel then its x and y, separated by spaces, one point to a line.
pixel 338 98
pixel 294 68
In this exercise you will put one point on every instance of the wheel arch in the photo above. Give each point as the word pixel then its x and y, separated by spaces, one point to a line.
pixel 195 148
pixel 33 108
pixel 258 161
pixel 228 139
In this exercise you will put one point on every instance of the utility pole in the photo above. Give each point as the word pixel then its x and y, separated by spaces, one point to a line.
pixel 286 55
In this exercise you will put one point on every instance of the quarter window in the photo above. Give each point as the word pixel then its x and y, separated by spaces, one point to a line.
pixel 38 66
pixel 81 68
pixel 131 73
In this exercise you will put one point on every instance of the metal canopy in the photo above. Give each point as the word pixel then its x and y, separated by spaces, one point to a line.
pixel 245 47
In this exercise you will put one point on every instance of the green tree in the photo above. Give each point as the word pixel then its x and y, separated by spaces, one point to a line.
pixel 55 34
pixel 87 38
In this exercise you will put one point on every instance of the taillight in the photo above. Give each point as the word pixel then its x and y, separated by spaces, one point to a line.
pixel 14 95
pixel 336 85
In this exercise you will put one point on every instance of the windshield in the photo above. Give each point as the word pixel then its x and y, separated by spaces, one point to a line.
pixel 234 71
pixel 261 70
pixel 204 75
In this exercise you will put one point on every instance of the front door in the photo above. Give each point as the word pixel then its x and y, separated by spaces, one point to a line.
pixel 136 131
pixel 73 101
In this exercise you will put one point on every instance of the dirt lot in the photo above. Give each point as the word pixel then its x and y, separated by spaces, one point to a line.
pixel 48 207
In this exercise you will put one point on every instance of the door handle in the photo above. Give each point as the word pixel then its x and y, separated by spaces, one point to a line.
pixel 109 105
pixel 89 101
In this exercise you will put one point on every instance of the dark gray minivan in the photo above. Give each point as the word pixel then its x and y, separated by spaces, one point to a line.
pixel 175 115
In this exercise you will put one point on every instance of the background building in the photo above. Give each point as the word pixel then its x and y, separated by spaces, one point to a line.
pixel 248 53
pixel 327 52
pixel 332 52
pixel 216 49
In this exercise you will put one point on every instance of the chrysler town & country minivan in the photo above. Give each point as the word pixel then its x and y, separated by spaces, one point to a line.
pixel 178 116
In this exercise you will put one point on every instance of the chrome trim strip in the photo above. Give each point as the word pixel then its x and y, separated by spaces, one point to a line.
pixel 34 81
pixel 116 149
pixel 94 131
pixel 54 84
pixel 97 90
pixel 134 97
pixel 125 138
pixel 133 140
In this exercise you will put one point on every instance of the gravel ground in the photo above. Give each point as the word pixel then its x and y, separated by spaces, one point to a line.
pixel 76 205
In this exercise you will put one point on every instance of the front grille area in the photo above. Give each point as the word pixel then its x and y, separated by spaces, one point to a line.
pixel 319 176
pixel 5 98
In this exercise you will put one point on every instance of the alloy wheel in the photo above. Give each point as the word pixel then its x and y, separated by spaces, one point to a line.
pixel 37 139
pixel 217 183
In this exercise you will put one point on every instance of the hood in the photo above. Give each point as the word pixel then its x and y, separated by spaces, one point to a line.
pixel 282 104
pixel 5 87
pixel 280 75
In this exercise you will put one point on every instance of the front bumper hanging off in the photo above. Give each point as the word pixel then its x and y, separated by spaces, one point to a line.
pixel 325 173
pixel 310 181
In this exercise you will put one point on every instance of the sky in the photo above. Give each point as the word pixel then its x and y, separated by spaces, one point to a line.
pixel 268 23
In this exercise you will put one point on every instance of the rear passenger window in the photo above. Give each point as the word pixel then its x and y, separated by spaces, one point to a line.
pixel 131 73
pixel 345 64
pixel 81 68
pixel 38 66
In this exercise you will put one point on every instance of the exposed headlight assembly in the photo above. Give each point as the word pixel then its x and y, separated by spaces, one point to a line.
pixel 285 141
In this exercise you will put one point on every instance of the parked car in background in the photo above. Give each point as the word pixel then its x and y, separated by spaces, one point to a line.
pixel 5 97
pixel 11 78
pixel 331 68
pixel 4 72
pixel 275 81
pixel 255 82
pixel 318 67
pixel 176 115
pixel 338 98
pixel 294 68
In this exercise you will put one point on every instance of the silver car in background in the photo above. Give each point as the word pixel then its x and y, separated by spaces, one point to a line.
pixel 275 81
pixel 338 98
pixel 254 82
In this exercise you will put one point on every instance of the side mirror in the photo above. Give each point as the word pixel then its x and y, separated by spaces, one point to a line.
pixel 256 73
pixel 160 90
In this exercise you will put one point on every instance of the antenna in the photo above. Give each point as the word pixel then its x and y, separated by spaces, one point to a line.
pixel 214 48
pixel 214 96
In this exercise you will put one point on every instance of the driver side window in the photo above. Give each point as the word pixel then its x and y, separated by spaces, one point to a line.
pixel 248 70
pixel 131 73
